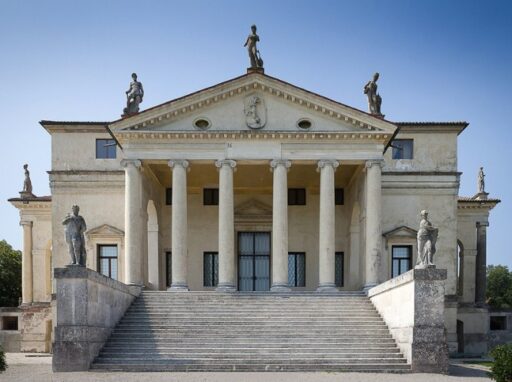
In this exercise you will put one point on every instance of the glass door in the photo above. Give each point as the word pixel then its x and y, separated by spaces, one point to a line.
pixel 253 261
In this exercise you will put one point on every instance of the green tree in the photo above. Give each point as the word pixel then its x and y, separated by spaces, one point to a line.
pixel 10 275
pixel 499 286
pixel 3 364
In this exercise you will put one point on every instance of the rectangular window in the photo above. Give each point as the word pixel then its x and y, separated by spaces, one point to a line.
pixel 498 322
pixel 105 149
pixel 297 269
pixel 296 196
pixel 211 196
pixel 9 323
pixel 402 149
pixel 168 269
pixel 210 269
pixel 401 261
pixel 107 260
pixel 339 269
pixel 339 196
pixel 168 196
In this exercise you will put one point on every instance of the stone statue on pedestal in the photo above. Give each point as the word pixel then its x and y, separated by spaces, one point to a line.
pixel 481 181
pixel 75 228
pixel 374 99
pixel 134 97
pixel 254 53
pixel 27 184
pixel 427 237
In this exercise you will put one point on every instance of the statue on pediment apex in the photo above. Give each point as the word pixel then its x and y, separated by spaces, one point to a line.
pixel 134 97
pixel 254 53
pixel 481 181
pixel 374 99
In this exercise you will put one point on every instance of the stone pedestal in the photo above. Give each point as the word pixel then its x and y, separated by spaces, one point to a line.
pixel 412 305
pixel 89 305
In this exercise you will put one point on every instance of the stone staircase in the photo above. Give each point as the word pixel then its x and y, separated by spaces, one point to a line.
pixel 209 331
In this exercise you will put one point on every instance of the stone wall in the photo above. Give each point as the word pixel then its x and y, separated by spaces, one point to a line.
pixel 412 305
pixel 36 327
pixel 89 305
pixel 10 339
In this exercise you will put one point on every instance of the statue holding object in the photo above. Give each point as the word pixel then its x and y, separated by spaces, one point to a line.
pixel 134 96
pixel 254 53
pixel 75 228
pixel 374 99
pixel 427 238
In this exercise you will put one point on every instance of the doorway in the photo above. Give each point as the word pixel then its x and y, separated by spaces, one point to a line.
pixel 253 261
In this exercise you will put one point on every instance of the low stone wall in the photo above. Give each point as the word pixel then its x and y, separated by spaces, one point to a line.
pixel 412 305
pixel 89 305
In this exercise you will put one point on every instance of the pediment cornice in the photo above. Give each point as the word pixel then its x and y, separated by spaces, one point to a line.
pixel 209 97
pixel 104 230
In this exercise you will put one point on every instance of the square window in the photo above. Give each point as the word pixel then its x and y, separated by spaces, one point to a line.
pixel 296 196
pixel 107 260
pixel 401 259
pixel 498 323
pixel 9 323
pixel 105 149
pixel 297 269
pixel 211 196
pixel 168 196
pixel 210 269
pixel 402 149
pixel 339 268
pixel 339 196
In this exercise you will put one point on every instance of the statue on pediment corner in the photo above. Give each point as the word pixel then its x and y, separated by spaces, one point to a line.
pixel 27 184
pixel 75 229
pixel 254 53
pixel 374 99
pixel 427 238
pixel 134 96
pixel 481 181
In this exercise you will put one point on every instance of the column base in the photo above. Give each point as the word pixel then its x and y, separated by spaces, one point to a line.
pixel 280 288
pixel 225 288
pixel 178 288
pixel 327 288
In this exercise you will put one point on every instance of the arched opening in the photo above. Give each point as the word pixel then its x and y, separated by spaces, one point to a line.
pixel 152 237
pixel 460 268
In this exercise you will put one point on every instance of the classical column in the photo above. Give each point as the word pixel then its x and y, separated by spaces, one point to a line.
pixel 481 262
pixel 227 275
pixel 179 223
pixel 26 263
pixel 373 222
pixel 132 221
pixel 326 235
pixel 280 226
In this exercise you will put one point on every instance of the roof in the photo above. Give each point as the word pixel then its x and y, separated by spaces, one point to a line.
pixel 59 123
pixel 431 126
pixel 425 123
pixel 47 198
pixel 472 199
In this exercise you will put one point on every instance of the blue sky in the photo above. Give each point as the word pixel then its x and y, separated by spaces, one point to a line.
pixel 439 61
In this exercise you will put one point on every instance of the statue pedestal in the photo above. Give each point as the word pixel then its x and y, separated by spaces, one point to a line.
pixel 255 70
pixel 26 195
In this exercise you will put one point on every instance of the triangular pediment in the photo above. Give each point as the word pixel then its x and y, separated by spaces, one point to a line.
pixel 402 231
pixel 253 208
pixel 254 102
pixel 104 230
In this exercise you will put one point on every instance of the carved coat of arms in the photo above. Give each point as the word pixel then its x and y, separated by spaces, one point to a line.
pixel 255 112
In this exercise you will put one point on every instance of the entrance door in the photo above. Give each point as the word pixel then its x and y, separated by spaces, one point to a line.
pixel 254 261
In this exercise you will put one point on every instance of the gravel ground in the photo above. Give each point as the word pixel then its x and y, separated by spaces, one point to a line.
pixel 37 367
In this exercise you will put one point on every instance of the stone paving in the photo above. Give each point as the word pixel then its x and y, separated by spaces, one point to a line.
pixel 37 367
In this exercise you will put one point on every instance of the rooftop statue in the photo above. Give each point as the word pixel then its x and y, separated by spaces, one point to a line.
pixel 75 228
pixel 134 97
pixel 481 181
pixel 374 99
pixel 254 53
pixel 427 238
pixel 27 183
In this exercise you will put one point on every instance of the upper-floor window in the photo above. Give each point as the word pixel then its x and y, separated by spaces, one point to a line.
pixel 339 196
pixel 107 260
pixel 402 148
pixel 211 196
pixel 296 196
pixel 105 149
pixel 401 261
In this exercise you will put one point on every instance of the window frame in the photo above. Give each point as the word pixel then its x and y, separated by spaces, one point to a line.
pixel 296 256
pixel 109 258
pixel 210 196
pixel 214 275
pixel 108 143
pixel 400 259
pixel 339 282
pixel 294 197
pixel 400 149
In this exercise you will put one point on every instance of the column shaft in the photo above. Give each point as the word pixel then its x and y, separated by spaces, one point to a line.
pixel 26 264
pixel 133 222
pixel 326 226
pixel 179 239
pixel 481 263
pixel 280 226
pixel 373 222
pixel 227 275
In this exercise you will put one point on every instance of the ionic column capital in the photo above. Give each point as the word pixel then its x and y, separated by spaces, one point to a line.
pixel 28 223
pixel 482 224
pixel 225 162
pixel 178 163
pixel 280 162
pixel 131 162
pixel 327 162
pixel 374 162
